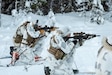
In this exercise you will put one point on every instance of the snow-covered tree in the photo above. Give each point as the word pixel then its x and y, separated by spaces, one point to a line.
pixel 105 5
pixel 7 6
pixel 98 4
pixel 97 12
pixel 110 4
pixel 51 19
pixel 67 5
pixel 28 6
pixel 42 7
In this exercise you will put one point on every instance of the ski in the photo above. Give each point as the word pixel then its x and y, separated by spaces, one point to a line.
pixel 3 66
pixel 47 72
pixel 20 65
pixel 39 62
pixel 93 73
pixel 6 57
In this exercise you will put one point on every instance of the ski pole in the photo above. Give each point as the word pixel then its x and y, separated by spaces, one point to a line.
pixel 77 70
pixel 14 60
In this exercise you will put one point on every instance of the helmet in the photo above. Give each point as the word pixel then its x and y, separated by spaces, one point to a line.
pixel 65 31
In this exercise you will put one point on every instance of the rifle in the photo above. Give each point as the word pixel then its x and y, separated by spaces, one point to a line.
pixel 81 36
pixel 46 28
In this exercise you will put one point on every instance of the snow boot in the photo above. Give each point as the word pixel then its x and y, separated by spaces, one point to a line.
pixel 47 70
pixel 75 71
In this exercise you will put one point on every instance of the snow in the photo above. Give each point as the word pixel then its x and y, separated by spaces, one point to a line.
pixel 85 56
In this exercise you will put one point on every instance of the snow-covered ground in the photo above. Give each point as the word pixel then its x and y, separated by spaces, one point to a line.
pixel 85 55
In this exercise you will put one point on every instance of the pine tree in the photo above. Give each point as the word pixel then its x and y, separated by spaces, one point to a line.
pixel 97 12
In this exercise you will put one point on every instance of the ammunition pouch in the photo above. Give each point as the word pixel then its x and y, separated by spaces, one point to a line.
pixel 31 41
pixel 18 38
pixel 58 53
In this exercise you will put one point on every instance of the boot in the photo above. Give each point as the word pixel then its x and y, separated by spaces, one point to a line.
pixel 75 71
pixel 47 70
